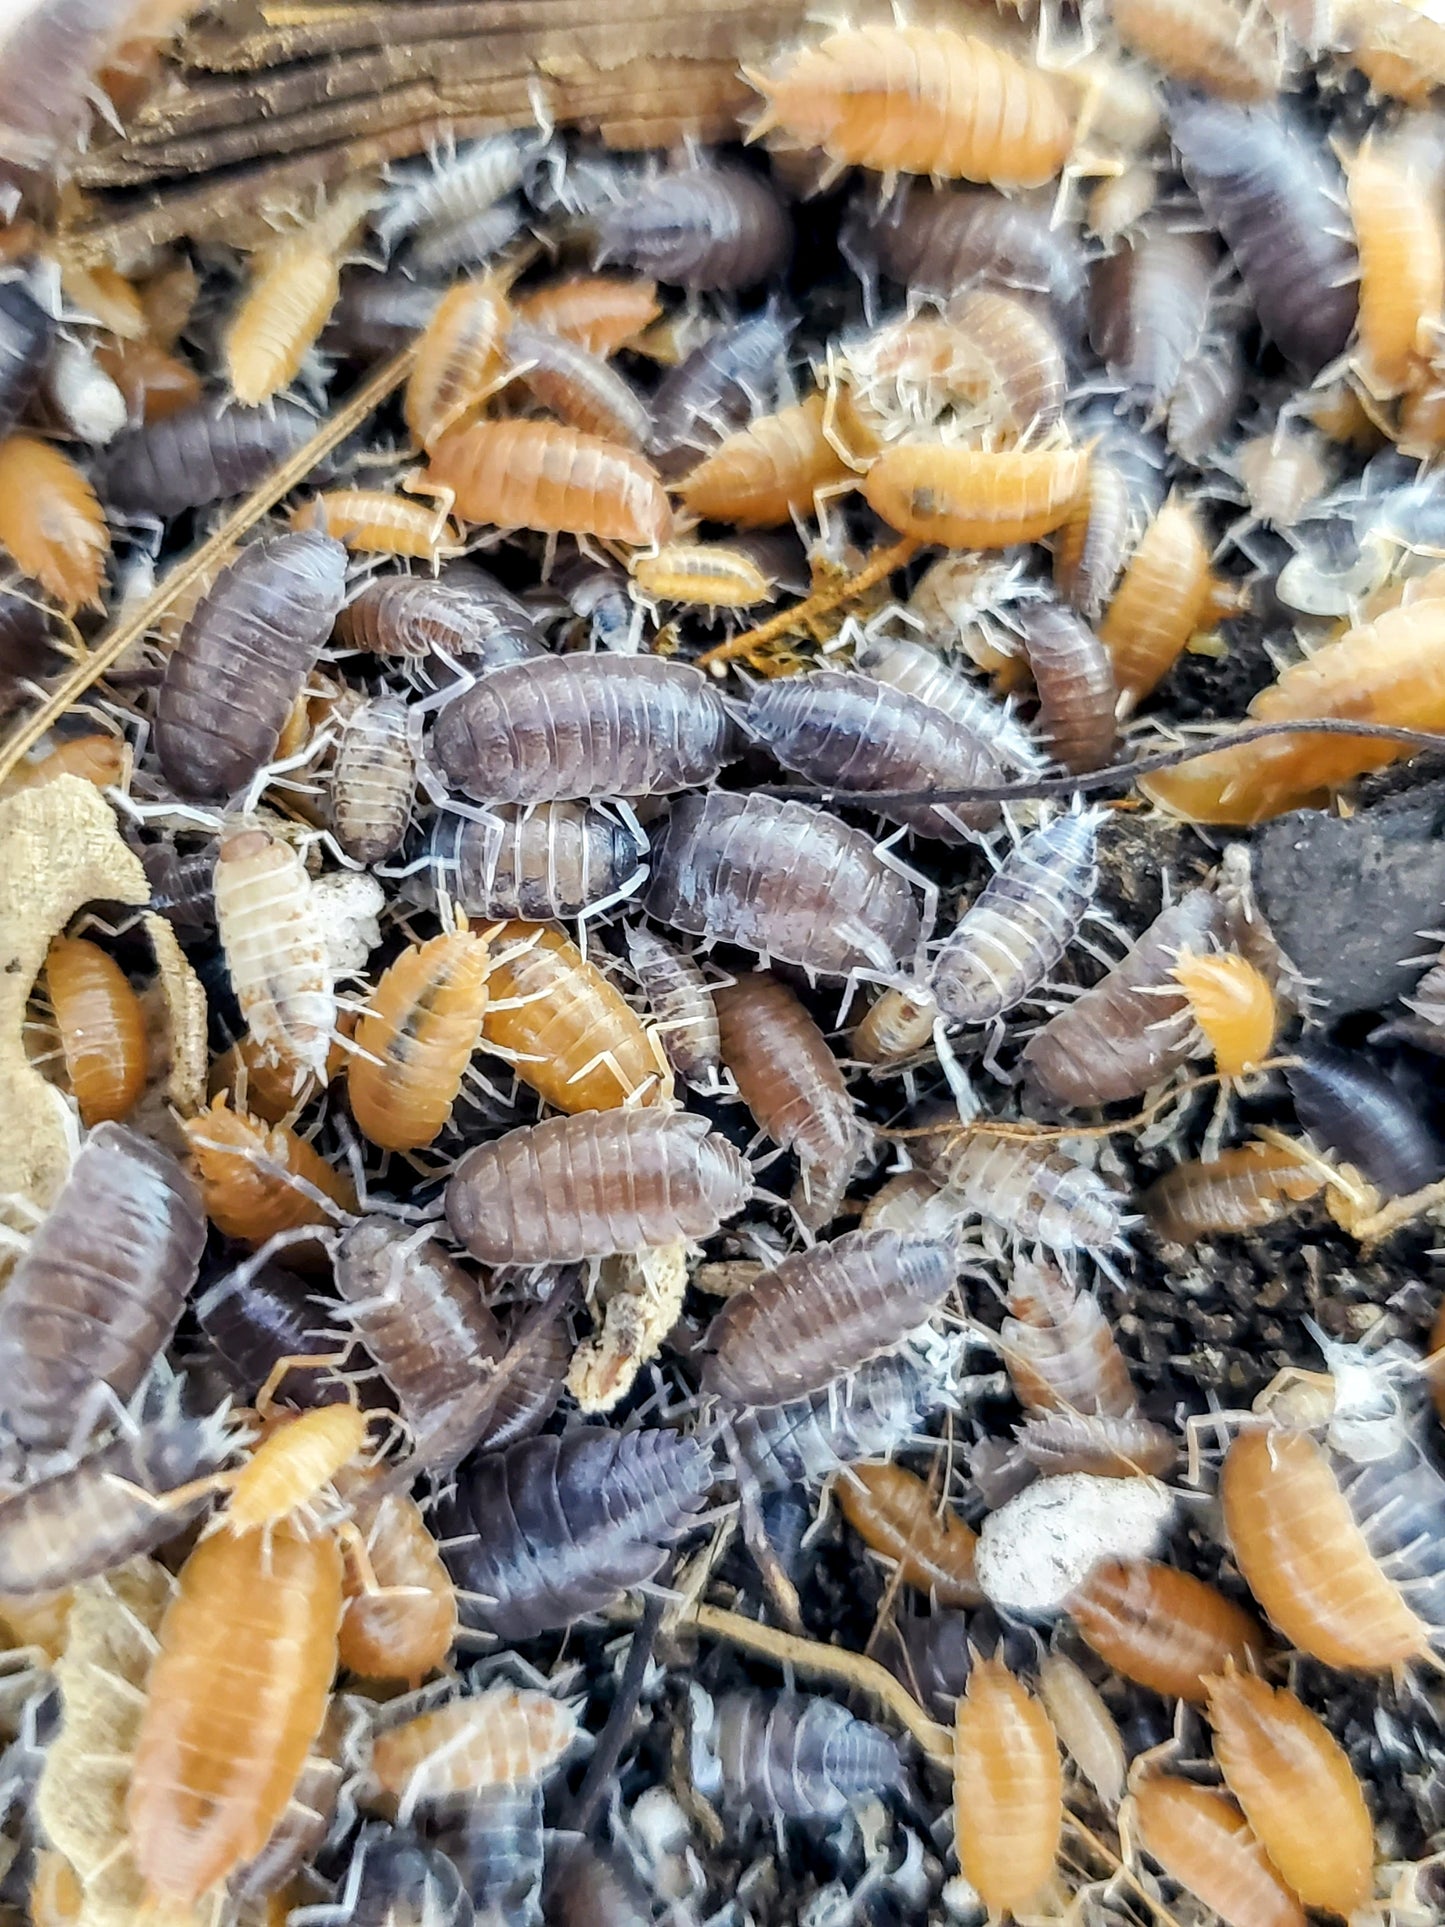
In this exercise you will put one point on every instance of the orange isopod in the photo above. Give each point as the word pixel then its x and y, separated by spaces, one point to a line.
pixel 405 1629
pixel 103 293
pixel 102 1028
pixel 1388 671
pixel 291 292
pixel 601 312
pixel 100 759
pixel 1166 594
pixel 51 521
pixel 1243 1189
pixel 973 498
pixel 705 573
pixel 1231 1001
pixel 1227 49
pixel 919 100
pixel 273 1088
pixel 577 386
pixel 154 382
pixel 1402 270
pixel 565 1030
pixel 459 359
pixel 1297 1788
pixel 775 468
pixel 542 475
pixel 234 1703
pixel 56 1896
pixel 293 1464
pixel 1059 1349
pixel 1201 1839
pixel 1163 1628
pixel 1305 1559
pixel 378 522
pixel 416 1038
pixel 1008 1789
pixel 897 1515
pixel 246 1172
pixel 506 1736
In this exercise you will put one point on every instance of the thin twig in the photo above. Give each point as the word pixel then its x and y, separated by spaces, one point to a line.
pixel 618 1730
pixel 879 566
pixel 118 637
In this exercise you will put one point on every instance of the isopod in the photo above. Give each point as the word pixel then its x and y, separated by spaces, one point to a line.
pixel 680 1002
pixel 1149 310
pixel 465 614
pixel 705 573
pixel 1074 676
pixel 1353 1108
pixel 762 476
pixel 293 1463
pixel 1167 593
pixel 51 522
pixel 706 227
pixel 896 1514
pixel 460 359
pixel 433 197
pixel 271 930
pixel 543 475
pixel 1025 1186
pixel 970 498
pixel 917 670
pixel 373 779
pixel 243 659
pixel 292 290
pixel 503 1737
pixel 554 1528
pixel 792 1084
pixel 533 862
pixel 25 336
pixel 1059 1350
pixel 1402 270
pixel 200 455
pixel 1243 1189
pixel 577 386
pixel 409 1634
pixel 1085 1726
pixel 866 1415
pixel 603 313
pixel 784 879
pixel 1008 1789
pixel 732 374
pixel 96 1295
pixel 1163 1628
pixel 1201 1839
pixel 102 1028
pixel 1233 1004
pixel 1219 45
pixel 571 727
pixel 257 1182
pixel 822 1313
pixel 786 1755
pixel 376 521
pixel 416 1038
pixel 573 1188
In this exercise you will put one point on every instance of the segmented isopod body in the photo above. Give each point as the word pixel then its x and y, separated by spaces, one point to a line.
pixel 1269 190
pixel 373 779
pixel 1026 1187
pixel 577 386
pixel 1130 1031
pixel 784 879
pixel 292 1465
pixel 423 1320
pixel 1074 676
pixel 246 1175
pixel 1243 1189
pixel 1107 1448
pixel 443 191
pixel 704 227
pixel 1305 1559
pixel 573 1188
pixel 255 1318
pixel 409 1633
pixel 730 375
pixel 96 1295
pixel 1217 45
pixel 292 291
pixel 459 359
pixel 25 336
pixel 465 614
pixel 919 671
pixel 275 944
pixel 866 1415
pixel 568 727
pixel 1149 308
pixel 1166 594
pixel 1163 1628
pixel 200 455
pixel 920 100
pixel 898 1515
pixel 469 242
pixel 498 1847
pixel 941 239
pixel 153 383
pixel 1084 1724
pixel 542 475
pixel 102 1028
pixel 764 475
pixel 822 1313
pixel 1021 923
pixel 98 1513
pixel 565 1030
pixel 1201 1839
pixel 393 1880
pixel 786 1755
pixel 1353 1108
pixel 378 522
pixel 214 1769
pixel 847 731
pixel 970 498
pixel 1402 270
pixel 416 1038
pixel 1059 1349
pixel 1122 495
pixel 603 313
pixel 1297 1788
pixel 554 1528
pixel 243 659
pixel 503 1737
pixel 300 1833
pixel 532 861
pixel 680 1001
pixel 1018 353
pixel 701 572
pixel 1233 1004
pixel 792 1084
pixel 51 522
pixel 1008 1789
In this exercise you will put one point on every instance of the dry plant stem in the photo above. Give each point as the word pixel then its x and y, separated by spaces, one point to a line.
pixel 118 637
pixel 602 1767
pixel 879 566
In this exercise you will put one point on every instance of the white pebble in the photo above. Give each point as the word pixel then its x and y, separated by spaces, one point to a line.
pixel 1035 1550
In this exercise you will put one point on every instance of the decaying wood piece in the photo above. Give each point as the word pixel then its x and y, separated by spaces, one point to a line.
pixel 62 851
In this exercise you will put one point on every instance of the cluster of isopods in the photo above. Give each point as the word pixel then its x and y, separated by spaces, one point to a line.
pixel 693 1081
